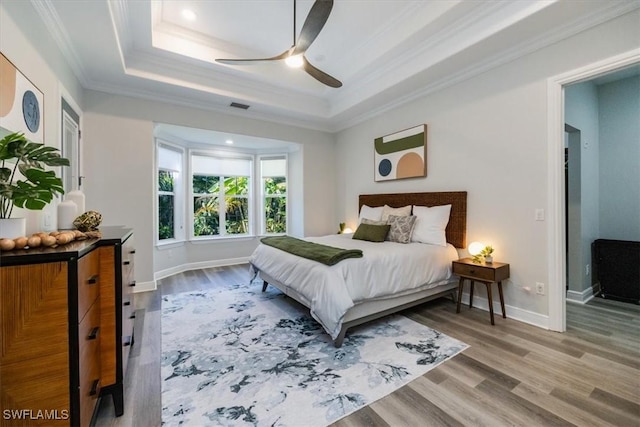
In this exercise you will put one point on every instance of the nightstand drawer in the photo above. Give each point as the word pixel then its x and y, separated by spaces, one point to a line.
pixel 474 271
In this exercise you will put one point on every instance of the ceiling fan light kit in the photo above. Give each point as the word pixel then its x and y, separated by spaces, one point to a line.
pixel 294 56
pixel 294 61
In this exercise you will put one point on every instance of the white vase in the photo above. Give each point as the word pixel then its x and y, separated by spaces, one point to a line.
pixel 77 197
pixel 67 212
pixel 488 259
pixel 10 228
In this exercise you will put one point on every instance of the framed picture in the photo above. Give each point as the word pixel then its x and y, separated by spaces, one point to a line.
pixel 21 103
pixel 401 155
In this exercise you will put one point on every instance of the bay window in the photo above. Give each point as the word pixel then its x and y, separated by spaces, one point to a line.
pixel 219 194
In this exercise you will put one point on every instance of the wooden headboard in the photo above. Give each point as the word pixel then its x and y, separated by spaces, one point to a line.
pixel 456 228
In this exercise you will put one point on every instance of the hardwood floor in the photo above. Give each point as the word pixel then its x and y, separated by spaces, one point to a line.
pixel 513 374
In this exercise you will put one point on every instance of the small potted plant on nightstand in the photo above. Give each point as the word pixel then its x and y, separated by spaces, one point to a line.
pixel 487 254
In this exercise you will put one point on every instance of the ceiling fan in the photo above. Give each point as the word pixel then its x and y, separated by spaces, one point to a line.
pixel 318 16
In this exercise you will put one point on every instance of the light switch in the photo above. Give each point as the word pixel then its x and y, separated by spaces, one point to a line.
pixel 539 214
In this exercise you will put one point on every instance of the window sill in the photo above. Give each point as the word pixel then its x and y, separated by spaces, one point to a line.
pixel 207 240
pixel 169 244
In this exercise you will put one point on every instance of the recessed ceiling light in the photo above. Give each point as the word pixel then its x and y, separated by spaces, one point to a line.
pixel 229 141
pixel 189 14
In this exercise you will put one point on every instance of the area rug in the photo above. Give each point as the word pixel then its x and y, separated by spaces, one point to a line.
pixel 235 356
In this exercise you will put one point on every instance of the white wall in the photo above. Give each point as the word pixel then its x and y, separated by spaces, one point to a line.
pixel 488 136
pixel 619 118
pixel 26 43
pixel 119 166
pixel 581 112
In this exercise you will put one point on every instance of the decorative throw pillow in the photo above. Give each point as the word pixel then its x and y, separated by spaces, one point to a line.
pixel 371 233
pixel 431 224
pixel 388 210
pixel 401 228
pixel 368 212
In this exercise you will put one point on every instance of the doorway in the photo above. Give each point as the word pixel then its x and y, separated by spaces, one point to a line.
pixel 71 146
pixel 557 253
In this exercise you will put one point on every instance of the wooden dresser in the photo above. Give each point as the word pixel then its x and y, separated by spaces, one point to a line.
pixel 66 327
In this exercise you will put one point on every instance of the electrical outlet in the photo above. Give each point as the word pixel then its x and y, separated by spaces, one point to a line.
pixel 587 269
pixel 539 288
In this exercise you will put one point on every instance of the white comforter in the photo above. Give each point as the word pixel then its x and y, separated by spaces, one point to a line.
pixel 385 269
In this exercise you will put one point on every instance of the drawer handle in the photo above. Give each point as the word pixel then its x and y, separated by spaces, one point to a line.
pixel 93 279
pixel 472 272
pixel 94 333
pixel 127 262
pixel 94 387
pixel 132 283
pixel 127 303
pixel 133 316
pixel 127 342
pixel 133 251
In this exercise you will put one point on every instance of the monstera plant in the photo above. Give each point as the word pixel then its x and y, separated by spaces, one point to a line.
pixel 33 187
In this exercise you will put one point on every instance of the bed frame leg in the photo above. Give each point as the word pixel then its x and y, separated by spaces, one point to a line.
pixel 338 341
pixel 453 296
pixel 264 285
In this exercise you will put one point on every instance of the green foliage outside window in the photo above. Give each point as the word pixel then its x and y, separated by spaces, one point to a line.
pixel 165 205
pixel 275 208
pixel 206 206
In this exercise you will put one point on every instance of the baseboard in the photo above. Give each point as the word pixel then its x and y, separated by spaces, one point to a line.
pixel 580 297
pixel 199 265
pixel 145 286
pixel 515 313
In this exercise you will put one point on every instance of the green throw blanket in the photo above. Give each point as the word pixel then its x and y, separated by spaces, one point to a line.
pixel 325 254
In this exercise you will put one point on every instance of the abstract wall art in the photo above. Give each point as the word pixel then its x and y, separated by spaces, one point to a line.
pixel 21 103
pixel 401 155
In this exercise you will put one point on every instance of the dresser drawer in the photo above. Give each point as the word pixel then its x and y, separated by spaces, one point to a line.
pixel 475 272
pixel 88 282
pixel 89 362
pixel 128 267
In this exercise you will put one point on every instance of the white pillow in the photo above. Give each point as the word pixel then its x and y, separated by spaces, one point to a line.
pixel 431 224
pixel 374 214
pixel 388 210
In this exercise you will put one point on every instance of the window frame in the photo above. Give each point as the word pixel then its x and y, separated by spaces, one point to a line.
pixel 178 196
pixel 260 178
pixel 221 196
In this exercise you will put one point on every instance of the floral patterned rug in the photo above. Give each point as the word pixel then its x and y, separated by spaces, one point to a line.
pixel 238 357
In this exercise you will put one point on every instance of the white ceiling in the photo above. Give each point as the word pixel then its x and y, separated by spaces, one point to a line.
pixel 385 52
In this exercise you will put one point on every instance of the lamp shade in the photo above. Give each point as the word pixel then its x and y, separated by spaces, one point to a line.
pixel 475 248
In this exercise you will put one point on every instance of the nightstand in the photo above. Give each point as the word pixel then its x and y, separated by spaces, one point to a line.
pixel 481 272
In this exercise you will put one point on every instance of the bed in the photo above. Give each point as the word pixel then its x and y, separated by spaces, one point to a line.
pixel 358 290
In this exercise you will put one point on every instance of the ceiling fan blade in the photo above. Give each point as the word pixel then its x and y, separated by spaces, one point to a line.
pixel 316 19
pixel 283 55
pixel 320 76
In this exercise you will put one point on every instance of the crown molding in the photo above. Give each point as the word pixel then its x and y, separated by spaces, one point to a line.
pixel 332 113
pixel 284 118
pixel 608 12
pixel 52 22
pixel 165 70
pixel 121 27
